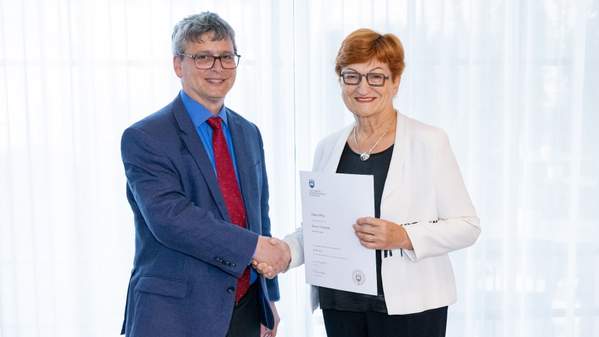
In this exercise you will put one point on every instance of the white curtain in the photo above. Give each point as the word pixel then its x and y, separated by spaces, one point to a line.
pixel 514 83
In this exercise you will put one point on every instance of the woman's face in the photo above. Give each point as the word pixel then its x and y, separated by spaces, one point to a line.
pixel 364 99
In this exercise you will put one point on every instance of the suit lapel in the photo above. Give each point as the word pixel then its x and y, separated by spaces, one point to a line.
pixel 194 145
pixel 243 151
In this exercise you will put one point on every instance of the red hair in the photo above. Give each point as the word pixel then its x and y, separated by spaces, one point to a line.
pixel 365 45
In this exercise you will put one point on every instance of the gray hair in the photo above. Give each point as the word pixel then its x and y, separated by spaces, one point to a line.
pixel 192 27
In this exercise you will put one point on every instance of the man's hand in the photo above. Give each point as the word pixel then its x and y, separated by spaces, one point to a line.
pixel 376 233
pixel 266 332
pixel 272 256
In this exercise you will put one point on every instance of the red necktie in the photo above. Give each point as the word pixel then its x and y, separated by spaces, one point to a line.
pixel 230 190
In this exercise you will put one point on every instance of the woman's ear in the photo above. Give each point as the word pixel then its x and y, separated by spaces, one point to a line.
pixel 396 83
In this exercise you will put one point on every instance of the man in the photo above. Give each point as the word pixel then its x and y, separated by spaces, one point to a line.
pixel 196 182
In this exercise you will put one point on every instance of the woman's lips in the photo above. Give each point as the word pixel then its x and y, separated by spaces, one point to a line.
pixel 364 99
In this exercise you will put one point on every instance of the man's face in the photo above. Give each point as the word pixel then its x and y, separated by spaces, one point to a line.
pixel 209 87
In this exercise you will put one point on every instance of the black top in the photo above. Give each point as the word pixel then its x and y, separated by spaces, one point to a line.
pixel 378 166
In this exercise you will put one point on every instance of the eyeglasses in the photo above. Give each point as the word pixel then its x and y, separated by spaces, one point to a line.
pixel 373 79
pixel 206 61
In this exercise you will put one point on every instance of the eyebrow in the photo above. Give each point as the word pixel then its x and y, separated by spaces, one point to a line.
pixel 214 53
pixel 376 68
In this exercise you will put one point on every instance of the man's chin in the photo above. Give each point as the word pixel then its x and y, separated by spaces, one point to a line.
pixel 218 92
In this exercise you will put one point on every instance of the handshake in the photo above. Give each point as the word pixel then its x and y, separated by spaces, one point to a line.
pixel 272 256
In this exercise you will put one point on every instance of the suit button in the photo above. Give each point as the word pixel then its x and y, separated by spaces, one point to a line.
pixel 231 290
pixel 233 265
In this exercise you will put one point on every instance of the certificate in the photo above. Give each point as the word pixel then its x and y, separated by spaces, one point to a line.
pixel 334 258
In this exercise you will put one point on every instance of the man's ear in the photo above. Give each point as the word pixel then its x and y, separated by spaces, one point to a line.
pixel 177 65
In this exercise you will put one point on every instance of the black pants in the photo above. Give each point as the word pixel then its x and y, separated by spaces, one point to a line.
pixel 430 323
pixel 245 321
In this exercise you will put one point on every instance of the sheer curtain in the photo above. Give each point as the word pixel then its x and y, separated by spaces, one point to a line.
pixel 514 83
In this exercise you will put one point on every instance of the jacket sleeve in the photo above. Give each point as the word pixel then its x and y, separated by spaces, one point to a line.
pixel 171 216
pixel 457 225
pixel 295 241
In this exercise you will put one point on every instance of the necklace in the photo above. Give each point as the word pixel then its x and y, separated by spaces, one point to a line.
pixel 364 156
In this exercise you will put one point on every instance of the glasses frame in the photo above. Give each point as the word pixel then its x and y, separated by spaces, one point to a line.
pixel 214 58
pixel 367 75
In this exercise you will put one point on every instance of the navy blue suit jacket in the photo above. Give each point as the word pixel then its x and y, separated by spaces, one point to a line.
pixel 188 255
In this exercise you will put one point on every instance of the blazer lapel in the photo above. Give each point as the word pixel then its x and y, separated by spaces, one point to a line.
pixel 194 145
pixel 333 160
pixel 245 162
pixel 400 153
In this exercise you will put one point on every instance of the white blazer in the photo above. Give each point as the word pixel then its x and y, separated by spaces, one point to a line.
pixel 424 188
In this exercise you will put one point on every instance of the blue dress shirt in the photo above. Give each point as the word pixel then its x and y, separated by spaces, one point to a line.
pixel 199 115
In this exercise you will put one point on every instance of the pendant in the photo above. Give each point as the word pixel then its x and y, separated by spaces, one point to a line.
pixel 364 156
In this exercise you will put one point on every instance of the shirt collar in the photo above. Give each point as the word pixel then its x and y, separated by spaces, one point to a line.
pixel 198 113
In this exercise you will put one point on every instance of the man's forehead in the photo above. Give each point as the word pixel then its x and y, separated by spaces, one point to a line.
pixel 208 37
pixel 208 40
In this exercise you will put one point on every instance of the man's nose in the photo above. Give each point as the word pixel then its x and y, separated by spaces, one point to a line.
pixel 217 61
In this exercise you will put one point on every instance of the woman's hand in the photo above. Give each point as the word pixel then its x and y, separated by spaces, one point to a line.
pixel 376 233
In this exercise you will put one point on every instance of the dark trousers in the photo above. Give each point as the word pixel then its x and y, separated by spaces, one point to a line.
pixel 245 321
pixel 430 323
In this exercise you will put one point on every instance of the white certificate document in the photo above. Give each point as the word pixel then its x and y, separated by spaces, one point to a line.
pixel 334 258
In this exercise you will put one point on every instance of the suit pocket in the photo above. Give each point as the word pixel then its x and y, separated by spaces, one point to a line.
pixel 161 286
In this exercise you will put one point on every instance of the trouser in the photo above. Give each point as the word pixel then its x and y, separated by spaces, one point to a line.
pixel 245 321
pixel 430 323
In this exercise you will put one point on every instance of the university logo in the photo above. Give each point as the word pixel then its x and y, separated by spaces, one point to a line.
pixel 358 277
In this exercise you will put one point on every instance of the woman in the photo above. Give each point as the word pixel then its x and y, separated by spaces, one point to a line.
pixel 422 208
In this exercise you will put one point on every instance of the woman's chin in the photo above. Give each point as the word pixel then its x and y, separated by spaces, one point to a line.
pixel 364 112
